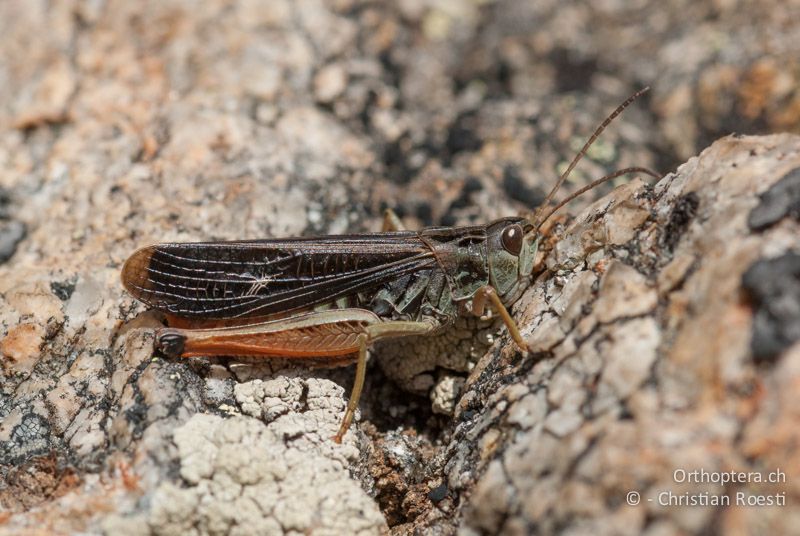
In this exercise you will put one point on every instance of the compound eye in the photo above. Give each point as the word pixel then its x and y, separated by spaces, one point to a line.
pixel 512 239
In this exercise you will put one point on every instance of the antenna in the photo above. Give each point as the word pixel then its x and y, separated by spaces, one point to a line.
pixel 536 219
pixel 598 182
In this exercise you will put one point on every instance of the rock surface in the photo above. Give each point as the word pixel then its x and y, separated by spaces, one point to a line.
pixel 654 374
pixel 663 321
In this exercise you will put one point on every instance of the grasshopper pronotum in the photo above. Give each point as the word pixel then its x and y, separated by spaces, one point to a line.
pixel 326 299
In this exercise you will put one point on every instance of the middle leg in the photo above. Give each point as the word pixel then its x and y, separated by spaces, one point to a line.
pixel 371 334
pixel 479 306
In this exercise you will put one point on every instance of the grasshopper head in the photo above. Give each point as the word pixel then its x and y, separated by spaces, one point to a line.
pixel 513 241
pixel 512 249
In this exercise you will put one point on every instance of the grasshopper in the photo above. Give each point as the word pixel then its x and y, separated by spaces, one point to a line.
pixel 326 299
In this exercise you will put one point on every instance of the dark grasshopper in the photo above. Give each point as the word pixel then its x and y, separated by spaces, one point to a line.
pixel 327 299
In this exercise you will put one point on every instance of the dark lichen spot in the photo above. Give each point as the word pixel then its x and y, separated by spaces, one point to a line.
pixel 438 493
pixel 517 190
pixel 462 135
pixel 396 158
pixel 773 286
pixel 780 201
pixel 467 415
pixel 391 69
pixel 31 437
pixel 464 200
pixel 572 73
pixel 424 213
pixel 471 185
pixel 63 289
pixel 448 220
pixel 11 233
pixel 5 202
pixel 682 214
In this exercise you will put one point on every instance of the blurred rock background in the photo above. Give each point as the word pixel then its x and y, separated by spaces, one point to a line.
pixel 126 123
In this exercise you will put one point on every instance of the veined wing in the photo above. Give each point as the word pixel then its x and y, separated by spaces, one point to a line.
pixel 245 279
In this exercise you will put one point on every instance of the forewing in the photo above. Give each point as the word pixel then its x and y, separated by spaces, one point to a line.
pixel 245 279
